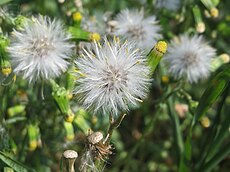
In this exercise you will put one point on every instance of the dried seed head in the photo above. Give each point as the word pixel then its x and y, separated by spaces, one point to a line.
pixel 95 137
pixel 70 154
pixel 70 157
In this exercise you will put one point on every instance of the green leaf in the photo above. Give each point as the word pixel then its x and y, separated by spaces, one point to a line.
pixel 79 34
pixel 211 94
pixel 217 158
pixel 15 119
pixel 3 2
pixel 223 131
pixel 17 166
pixel 214 90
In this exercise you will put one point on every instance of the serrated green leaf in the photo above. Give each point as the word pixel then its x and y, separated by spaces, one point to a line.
pixel 211 94
pixel 17 166
pixel 3 2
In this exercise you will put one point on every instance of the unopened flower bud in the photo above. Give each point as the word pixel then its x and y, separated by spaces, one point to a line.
pixel 205 122
pixel 156 54
pixel 6 68
pixel 165 79
pixel 69 130
pixel 95 36
pixel 200 27
pixel 77 16
pixel 70 116
pixel 214 12
pixel 225 58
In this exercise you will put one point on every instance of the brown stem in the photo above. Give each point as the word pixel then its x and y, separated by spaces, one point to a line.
pixel 113 125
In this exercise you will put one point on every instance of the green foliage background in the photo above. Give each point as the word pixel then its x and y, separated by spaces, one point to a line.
pixel 151 138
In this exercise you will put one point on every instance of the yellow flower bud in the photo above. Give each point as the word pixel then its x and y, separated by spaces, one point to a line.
pixel 69 118
pixel 6 67
pixel 156 54
pixel 160 48
pixel 33 145
pixel 200 27
pixel 95 36
pixel 214 12
pixel 6 71
pixel 165 79
pixel 225 58
pixel 77 16
pixel 70 94
pixel 70 137
pixel 205 122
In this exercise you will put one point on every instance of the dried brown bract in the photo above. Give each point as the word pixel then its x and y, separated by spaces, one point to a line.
pixel 97 150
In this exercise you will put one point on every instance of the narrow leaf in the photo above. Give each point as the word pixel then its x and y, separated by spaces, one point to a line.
pixel 217 158
pixel 17 166
pixel 2 2
pixel 211 94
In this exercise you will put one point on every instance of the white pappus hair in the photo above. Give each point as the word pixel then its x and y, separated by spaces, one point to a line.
pixel 189 57
pixel 40 49
pixel 113 76
pixel 133 26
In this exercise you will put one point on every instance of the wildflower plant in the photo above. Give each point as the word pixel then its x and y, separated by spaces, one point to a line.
pixel 144 86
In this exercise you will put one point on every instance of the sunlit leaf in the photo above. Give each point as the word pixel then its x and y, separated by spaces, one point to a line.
pixel 17 166
pixel 2 2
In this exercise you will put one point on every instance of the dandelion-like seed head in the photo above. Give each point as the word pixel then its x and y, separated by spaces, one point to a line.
pixel 40 49
pixel 132 25
pixel 190 57
pixel 113 76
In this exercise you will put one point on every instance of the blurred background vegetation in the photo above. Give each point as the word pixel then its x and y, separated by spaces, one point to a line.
pixel 33 131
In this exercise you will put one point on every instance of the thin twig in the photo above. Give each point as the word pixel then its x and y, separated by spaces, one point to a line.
pixel 113 125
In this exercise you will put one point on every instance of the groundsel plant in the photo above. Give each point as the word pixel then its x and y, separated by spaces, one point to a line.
pixel 132 25
pixel 113 76
pixel 190 57
pixel 40 49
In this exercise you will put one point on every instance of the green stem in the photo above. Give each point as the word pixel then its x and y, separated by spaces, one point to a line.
pixel 113 125
pixel 178 135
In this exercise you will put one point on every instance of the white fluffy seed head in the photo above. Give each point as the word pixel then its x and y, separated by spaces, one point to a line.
pixel 189 57
pixel 113 76
pixel 40 49
pixel 132 25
